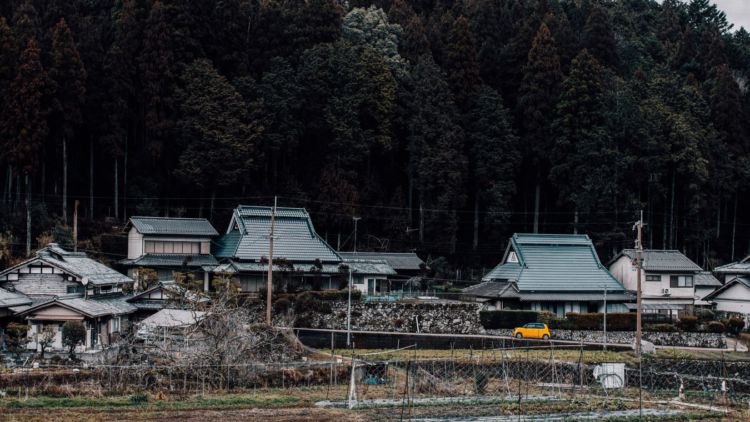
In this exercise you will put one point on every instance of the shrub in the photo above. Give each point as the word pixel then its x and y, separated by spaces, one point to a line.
pixel 715 327
pixel 705 315
pixel 585 321
pixel 625 321
pixel 506 319
pixel 139 398
pixel 281 305
pixel 688 323
pixel 16 338
pixel 73 334
pixel 735 325
pixel 661 328
pixel 308 302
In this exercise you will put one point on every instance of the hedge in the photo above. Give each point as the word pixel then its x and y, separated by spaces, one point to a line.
pixel 595 321
pixel 506 319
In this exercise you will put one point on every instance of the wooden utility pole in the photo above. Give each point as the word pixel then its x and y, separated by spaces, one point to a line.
pixel 75 226
pixel 639 264
pixel 269 282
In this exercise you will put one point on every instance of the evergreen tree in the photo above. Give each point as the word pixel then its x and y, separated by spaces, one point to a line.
pixel 599 38
pixel 461 63
pixel 8 56
pixel 536 103
pixel 494 159
pixel 25 113
pixel 216 138
pixel 583 153
pixel 413 42
pixel 438 162
pixel 68 79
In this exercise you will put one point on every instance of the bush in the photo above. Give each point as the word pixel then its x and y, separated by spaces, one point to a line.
pixel 715 327
pixel 625 321
pixel 308 302
pixel 688 323
pixel 661 328
pixel 139 398
pixel 506 319
pixel 705 315
pixel 73 334
pixel 281 305
pixel 585 321
pixel 734 325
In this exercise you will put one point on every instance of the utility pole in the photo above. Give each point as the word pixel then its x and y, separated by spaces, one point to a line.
pixel 605 317
pixel 269 281
pixel 349 312
pixel 356 219
pixel 75 226
pixel 639 264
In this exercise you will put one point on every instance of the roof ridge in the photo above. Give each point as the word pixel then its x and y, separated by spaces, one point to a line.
pixel 156 217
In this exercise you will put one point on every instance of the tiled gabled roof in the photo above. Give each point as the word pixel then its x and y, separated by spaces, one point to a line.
pixel 75 263
pixel 741 267
pixel 171 260
pixel 174 226
pixel 663 260
pixel 91 308
pixel 555 263
pixel 400 261
pixel 294 236
pixel 8 299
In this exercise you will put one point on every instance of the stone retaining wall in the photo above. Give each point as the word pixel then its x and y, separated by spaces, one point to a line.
pixel 455 318
pixel 682 339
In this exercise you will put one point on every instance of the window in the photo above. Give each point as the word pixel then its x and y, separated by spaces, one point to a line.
pixel 169 247
pixel 78 288
pixel 512 257
pixel 653 277
pixel 105 289
pixel 115 324
pixel 681 281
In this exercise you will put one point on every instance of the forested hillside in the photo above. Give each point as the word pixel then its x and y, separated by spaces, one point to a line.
pixel 446 125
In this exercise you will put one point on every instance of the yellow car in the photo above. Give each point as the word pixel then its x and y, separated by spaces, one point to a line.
pixel 533 330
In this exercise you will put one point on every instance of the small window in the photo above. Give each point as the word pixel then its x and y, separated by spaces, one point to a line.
pixel 115 324
pixel 653 277
pixel 681 281
pixel 105 289
pixel 75 289
pixel 512 257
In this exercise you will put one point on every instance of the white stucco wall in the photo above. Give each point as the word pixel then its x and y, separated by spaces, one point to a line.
pixel 627 274
pixel 734 299
pixel 135 244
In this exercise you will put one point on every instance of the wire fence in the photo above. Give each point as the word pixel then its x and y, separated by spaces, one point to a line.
pixel 491 382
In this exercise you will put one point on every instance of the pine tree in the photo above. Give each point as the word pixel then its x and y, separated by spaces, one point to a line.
pixel 494 159
pixel 68 79
pixel 599 38
pixel 536 103
pixel 413 42
pixel 8 56
pixel 461 62
pixel 438 161
pixel 25 112
pixel 583 153
pixel 216 138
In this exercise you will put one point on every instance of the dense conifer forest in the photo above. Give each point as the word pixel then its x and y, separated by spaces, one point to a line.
pixel 446 125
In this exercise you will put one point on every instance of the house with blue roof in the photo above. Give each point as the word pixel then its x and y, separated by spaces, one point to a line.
pixel 558 273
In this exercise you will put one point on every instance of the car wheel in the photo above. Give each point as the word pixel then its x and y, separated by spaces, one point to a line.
pixel 519 335
pixel 545 337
